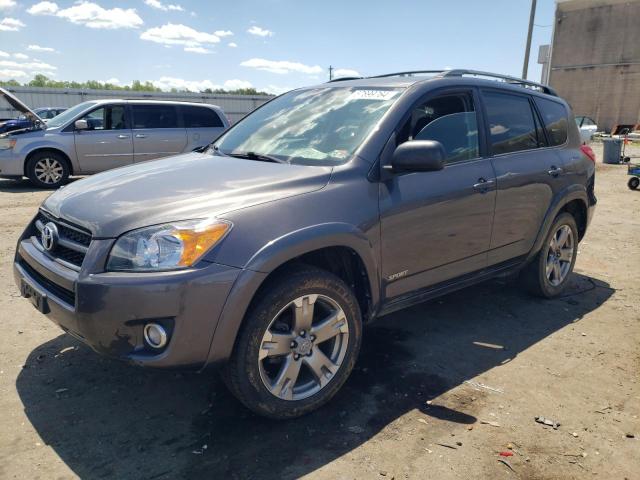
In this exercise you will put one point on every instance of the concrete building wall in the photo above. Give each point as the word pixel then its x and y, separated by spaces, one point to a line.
pixel 234 106
pixel 595 59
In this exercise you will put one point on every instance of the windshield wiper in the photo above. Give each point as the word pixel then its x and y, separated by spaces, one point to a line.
pixel 256 156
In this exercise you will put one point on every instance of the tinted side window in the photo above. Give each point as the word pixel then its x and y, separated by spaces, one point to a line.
pixel 554 116
pixel 449 119
pixel 155 116
pixel 107 118
pixel 511 123
pixel 200 117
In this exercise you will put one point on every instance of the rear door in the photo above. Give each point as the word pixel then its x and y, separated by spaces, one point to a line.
pixel 107 143
pixel 203 125
pixel 157 131
pixel 529 172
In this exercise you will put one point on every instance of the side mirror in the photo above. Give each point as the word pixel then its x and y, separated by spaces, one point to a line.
pixel 419 156
pixel 81 125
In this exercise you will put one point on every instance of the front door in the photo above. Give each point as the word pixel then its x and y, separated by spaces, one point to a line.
pixel 107 143
pixel 437 225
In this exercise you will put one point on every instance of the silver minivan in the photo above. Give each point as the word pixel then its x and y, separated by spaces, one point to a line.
pixel 103 134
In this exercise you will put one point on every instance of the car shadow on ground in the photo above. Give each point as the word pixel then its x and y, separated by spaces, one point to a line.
pixel 106 419
pixel 23 185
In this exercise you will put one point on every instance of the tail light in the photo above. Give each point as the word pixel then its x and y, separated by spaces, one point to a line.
pixel 587 150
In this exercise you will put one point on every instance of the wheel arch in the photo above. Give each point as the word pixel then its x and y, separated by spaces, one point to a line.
pixel 48 149
pixel 338 248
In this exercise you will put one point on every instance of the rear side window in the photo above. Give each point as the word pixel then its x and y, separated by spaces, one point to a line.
pixel 155 116
pixel 200 117
pixel 554 116
pixel 511 123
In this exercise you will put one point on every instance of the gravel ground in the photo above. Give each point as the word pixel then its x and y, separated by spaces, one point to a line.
pixel 440 390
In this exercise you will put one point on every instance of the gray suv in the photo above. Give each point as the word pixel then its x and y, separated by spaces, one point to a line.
pixel 324 209
pixel 100 135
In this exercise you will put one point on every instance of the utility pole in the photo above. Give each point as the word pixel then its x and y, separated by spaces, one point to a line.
pixel 532 16
pixel 330 73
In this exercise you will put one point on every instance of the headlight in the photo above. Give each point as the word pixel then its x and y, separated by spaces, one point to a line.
pixel 7 143
pixel 165 247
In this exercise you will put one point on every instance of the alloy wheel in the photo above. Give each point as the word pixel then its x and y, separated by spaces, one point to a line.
pixel 303 347
pixel 49 170
pixel 560 255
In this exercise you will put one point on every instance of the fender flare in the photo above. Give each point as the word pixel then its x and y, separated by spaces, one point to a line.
pixel 569 194
pixel 276 253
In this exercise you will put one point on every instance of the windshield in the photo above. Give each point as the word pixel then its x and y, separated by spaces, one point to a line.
pixel 68 115
pixel 320 126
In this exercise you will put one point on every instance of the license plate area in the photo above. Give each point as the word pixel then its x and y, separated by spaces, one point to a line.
pixel 38 298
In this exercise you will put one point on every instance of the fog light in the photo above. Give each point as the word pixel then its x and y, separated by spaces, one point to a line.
pixel 155 335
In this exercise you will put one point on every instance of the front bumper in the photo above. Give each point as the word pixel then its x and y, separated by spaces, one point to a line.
pixel 108 310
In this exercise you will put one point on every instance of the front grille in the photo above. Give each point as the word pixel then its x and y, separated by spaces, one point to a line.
pixel 62 293
pixel 73 241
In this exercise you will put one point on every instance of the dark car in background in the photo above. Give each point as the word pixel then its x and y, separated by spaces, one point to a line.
pixel 324 209
pixel 23 121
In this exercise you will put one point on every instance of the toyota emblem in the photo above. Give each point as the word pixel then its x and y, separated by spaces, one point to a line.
pixel 49 236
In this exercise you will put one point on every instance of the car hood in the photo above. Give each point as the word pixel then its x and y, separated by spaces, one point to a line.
pixel 19 106
pixel 183 187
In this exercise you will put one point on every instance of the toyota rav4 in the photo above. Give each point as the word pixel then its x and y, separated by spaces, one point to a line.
pixel 324 209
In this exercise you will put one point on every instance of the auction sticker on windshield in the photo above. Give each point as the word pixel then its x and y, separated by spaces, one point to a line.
pixel 373 95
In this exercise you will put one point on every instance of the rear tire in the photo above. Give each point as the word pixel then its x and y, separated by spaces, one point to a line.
pixel 633 183
pixel 547 274
pixel 297 346
pixel 47 169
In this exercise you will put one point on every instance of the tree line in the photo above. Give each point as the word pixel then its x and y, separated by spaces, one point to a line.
pixel 136 86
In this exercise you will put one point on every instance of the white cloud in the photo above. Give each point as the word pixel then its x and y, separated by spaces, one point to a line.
pixel 178 34
pixel 8 74
pixel 90 15
pixel 223 33
pixel 7 4
pixel 4 54
pixel 43 8
pixel 281 66
pixel 345 72
pixel 161 6
pixel 276 89
pixel 112 81
pixel 33 66
pixel 232 44
pixel 8 24
pixel 21 56
pixel 236 84
pixel 38 48
pixel 260 32
pixel 197 50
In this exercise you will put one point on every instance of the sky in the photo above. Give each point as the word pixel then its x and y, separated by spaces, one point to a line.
pixel 271 45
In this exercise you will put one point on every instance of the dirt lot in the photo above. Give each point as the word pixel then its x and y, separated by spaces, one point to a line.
pixel 439 391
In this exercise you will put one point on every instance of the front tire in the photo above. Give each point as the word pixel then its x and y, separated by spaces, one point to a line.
pixel 47 169
pixel 633 183
pixel 297 346
pixel 546 276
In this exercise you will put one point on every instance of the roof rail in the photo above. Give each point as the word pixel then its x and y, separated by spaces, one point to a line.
pixel 342 79
pixel 518 81
pixel 406 74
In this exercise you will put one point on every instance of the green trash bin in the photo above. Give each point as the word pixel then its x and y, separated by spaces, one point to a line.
pixel 612 150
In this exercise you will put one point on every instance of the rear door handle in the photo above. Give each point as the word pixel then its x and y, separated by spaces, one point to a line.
pixel 483 185
pixel 555 171
pixel 123 136
pixel 140 135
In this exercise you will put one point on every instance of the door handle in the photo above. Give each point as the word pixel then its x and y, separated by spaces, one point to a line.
pixel 140 135
pixel 555 171
pixel 483 185
pixel 123 136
